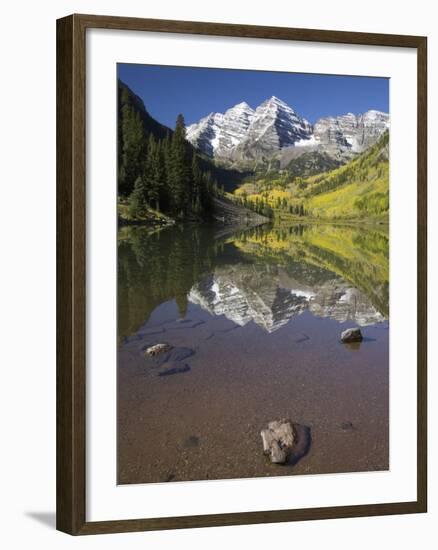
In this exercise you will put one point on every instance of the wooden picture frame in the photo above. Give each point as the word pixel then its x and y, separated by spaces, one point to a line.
pixel 71 273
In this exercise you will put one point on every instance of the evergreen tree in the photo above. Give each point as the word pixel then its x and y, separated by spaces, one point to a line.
pixel 132 145
pixel 196 185
pixel 137 199
pixel 206 192
pixel 165 154
pixel 179 170
pixel 160 174
pixel 154 173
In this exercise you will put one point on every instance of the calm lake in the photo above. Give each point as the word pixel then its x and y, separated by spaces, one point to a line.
pixel 254 320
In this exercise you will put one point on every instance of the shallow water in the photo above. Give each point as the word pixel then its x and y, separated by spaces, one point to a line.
pixel 254 318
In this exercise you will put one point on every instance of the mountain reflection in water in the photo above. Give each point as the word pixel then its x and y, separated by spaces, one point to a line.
pixel 266 274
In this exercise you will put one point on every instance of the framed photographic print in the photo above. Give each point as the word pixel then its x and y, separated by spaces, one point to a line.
pixel 241 244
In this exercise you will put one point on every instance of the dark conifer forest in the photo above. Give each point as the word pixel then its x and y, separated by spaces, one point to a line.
pixel 159 169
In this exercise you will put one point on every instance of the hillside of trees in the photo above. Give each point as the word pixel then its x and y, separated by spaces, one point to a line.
pixel 370 163
pixel 158 170
pixel 359 189
pixel 356 190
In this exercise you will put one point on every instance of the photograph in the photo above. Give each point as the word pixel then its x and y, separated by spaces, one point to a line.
pixel 222 219
pixel 252 273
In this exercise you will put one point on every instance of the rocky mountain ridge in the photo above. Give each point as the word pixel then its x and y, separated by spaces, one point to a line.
pixel 243 133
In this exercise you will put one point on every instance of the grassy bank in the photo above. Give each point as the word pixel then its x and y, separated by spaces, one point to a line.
pixel 149 217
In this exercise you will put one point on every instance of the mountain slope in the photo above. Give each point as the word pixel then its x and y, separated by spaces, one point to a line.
pixel 127 98
pixel 132 112
pixel 242 133
pixel 353 191
pixel 217 134
pixel 355 131
pixel 228 213
pixel 274 129
pixel 274 126
pixel 357 189
pixel 310 163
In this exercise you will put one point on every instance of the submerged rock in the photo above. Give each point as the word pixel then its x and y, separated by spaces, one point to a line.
pixel 166 359
pixel 351 335
pixel 157 349
pixel 278 440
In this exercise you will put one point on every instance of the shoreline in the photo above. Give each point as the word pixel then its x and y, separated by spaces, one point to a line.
pixel 230 226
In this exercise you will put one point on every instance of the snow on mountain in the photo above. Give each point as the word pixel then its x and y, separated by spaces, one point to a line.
pixel 275 125
pixel 307 142
pixel 218 133
pixel 352 131
pixel 242 133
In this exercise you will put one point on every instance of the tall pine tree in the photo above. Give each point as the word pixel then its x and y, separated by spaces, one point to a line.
pixel 179 177
pixel 137 199
pixel 196 185
pixel 151 173
pixel 132 147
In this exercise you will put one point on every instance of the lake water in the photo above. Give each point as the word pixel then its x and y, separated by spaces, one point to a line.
pixel 254 319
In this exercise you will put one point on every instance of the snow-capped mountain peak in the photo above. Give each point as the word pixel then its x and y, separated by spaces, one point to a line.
pixel 218 133
pixel 276 103
pixel 244 133
pixel 356 132
pixel 277 125
pixel 243 106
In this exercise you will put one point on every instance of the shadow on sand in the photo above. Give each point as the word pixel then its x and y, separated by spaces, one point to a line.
pixel 302 444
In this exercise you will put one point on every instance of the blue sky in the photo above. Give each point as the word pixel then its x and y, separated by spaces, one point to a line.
pixel 196 92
